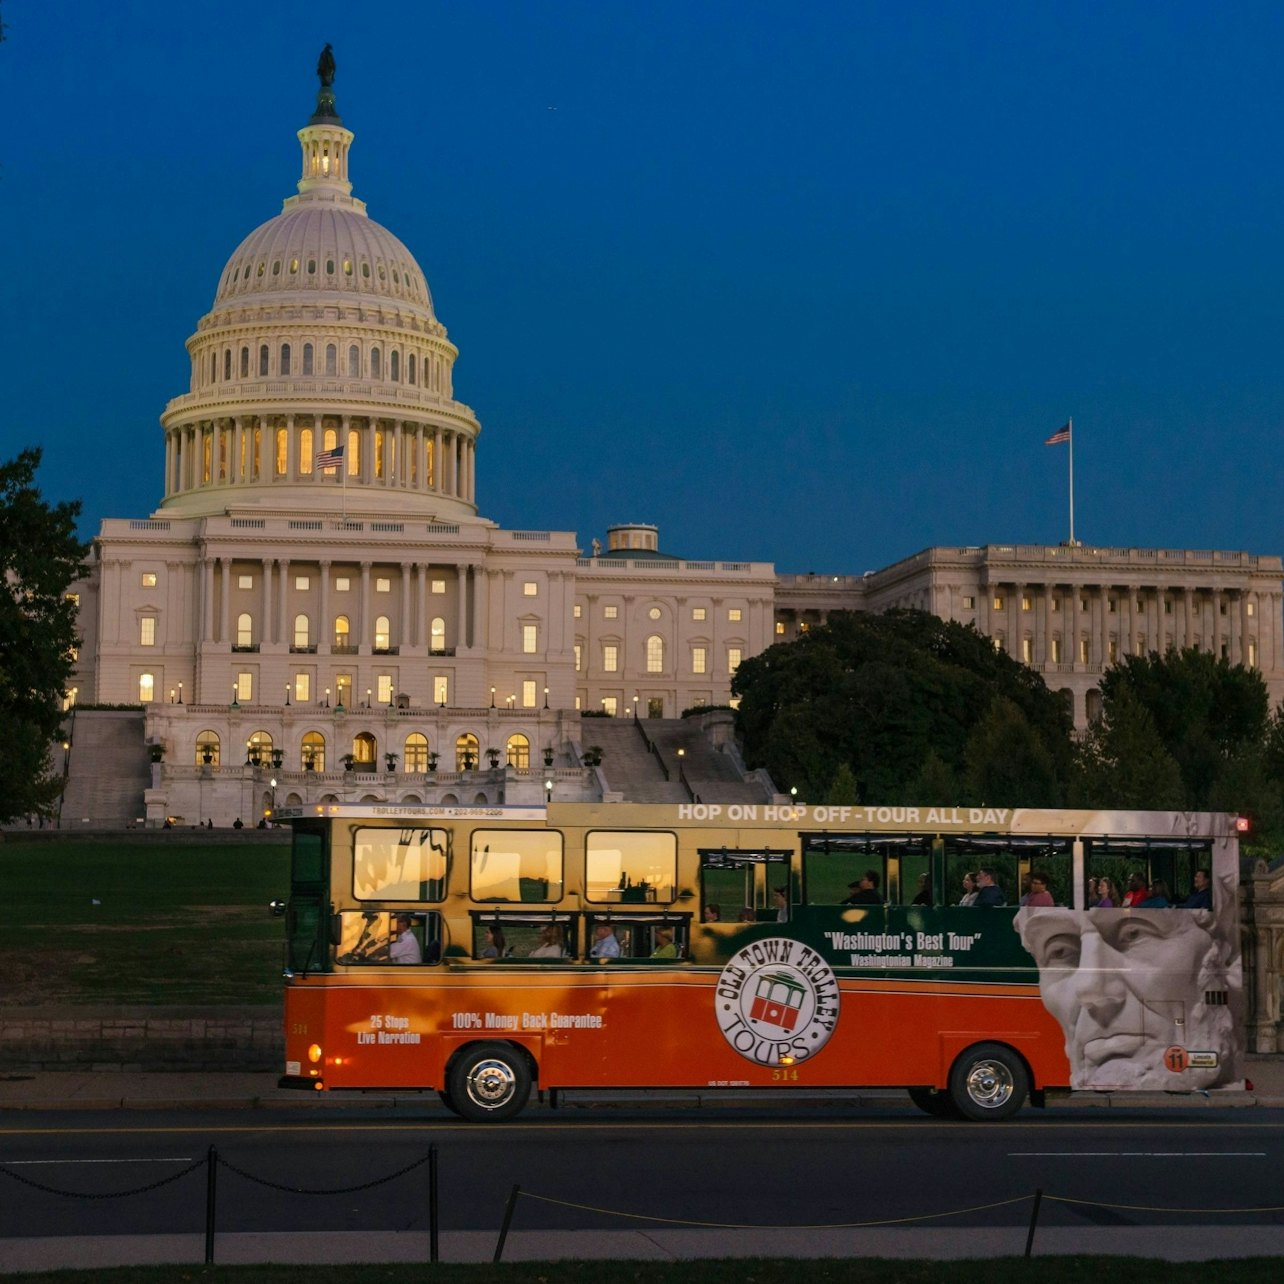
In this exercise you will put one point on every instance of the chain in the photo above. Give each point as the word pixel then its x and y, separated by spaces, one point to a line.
pixel 335 1190
pixel 111 1194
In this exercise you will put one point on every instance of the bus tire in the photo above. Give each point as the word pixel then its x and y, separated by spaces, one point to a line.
pixel 448 1101
pixel 939 1105
pixel 988 1082
pixel 488 1082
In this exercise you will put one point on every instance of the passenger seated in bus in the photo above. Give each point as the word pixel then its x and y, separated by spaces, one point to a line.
pixel 747 915
pixel 1107 895
pixel 864 891
pixel 495 946
pixel 405 947
pixel 551 943
pixel 924 894
pixel 969 890
pixel 1158 898
pixel 1039 895
pixel 713 913
pixel 604 946
pixel 664 946
pixel 1202 896
pixel 988 892
pixel 1137 891
pixel 780 900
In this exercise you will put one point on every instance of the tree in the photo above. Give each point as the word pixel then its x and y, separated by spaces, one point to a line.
pixel 1122 762
pixel 40 556
pixel 1005 761
pixel 880 693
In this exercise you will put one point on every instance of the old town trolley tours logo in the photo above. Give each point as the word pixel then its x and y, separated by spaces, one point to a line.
pixel 777 1002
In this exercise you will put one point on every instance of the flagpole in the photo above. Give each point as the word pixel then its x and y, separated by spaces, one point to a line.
pixel 1070 425
pixel 343 468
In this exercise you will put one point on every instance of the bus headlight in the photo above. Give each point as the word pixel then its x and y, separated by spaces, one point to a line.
pixel 314 1053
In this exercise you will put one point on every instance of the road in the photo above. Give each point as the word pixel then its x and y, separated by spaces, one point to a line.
pixel 734 1166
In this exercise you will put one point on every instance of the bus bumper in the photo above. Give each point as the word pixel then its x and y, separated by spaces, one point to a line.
pixel 299 1081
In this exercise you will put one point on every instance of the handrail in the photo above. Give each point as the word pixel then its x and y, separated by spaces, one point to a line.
pixel 651 746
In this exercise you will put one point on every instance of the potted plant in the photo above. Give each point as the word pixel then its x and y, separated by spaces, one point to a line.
pixel 390 761
pixel 349 761
pixel 157 752
pixel 207 755
pixel 432 762
pixel 548 756
pixel 593 756
pixel 493 755
pixel 278 757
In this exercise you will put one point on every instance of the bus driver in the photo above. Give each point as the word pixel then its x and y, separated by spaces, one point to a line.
pixel 1132 993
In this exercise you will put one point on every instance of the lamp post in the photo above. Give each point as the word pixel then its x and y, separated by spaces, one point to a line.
pixel 367 697
pixel 793 794
pixel 171 695
pixel 272 782
pixel 546 697
pixel 180 693
pixel 492 697
pixel 236 691
pixel 548 790
pixel 327 697
pixel 287 695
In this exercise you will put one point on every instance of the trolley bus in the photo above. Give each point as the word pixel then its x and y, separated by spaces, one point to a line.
pixel 487 951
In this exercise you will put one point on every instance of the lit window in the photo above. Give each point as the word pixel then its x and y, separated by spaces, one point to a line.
pixel 697 613
pixel 342 584
pixel 147 631
pixel 1250 608
pixel 734 614
pixel 73 598
pixel 342 627
pixel 655 654
pixel 207 749
pixel 1056 650
pixel 969 603
pixel 610 612
pixel 610 706
pixel 1112 650
pixel 438 586
pixel 610 658
pixel 513 864
pixel 440 689
pixel 1027 650
pixel 1252 655
pixel 528 694
pixel 804 627
pixel 998 601
pixel 244 687
pixel 1056 603
pixel 699 660
pixel 578 612
pixel 780 628
pixel 530 589
pixel 312 751
pixel 415 755
pixel 579 657
pixel 383 688
pixel 530 639
pixel 149 579
pixel 1027 602
pixel 244 629
pixel 347 267
pixel 383 633
pixel 437 632
pixel 245 581
pixel 1112 605
pixel 1084 603
pixel 383 585
pixel 302 687
pixel 300 630
pixel 1085 651
pixel 733 658
pixel 146 688
pixel 301 582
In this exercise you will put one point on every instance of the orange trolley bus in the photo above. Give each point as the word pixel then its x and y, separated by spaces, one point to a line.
pixel 483 951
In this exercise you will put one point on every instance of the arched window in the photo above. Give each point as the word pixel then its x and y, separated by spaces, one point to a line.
pixel 244 629
pixel 353 461
pixel 307 358
pixel 263 359
pixel 312 751
pixel 245 363
pixel 331 359
pixel 394 366
pixel 146 688
pixel 285 359
pixel 519 752
pixel 410 368
pixel 207 749
pixel 281 455
pixel 354 362
pixel 467 752
pixel 365 749
pixel 258 749
pixel 437 634
pixel 300 630
pixel 305 450
pixel 227 364
pixel 383 633
pixel 415 757
pixel 341 630
pixel 655 654
pixel 376 364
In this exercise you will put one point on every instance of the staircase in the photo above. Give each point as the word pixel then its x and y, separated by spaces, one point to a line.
pixel 109 768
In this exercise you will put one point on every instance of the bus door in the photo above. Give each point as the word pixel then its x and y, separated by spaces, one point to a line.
pixel 307 941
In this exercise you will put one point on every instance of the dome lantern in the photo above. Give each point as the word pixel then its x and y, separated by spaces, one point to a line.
pixel 324 140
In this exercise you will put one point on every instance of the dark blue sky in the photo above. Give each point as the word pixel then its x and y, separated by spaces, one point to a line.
pixel 807 285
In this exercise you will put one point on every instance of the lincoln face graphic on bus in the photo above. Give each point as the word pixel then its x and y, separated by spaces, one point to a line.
pixel 1143 996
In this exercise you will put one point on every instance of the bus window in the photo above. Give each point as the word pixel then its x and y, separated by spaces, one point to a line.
pixel 637 868
pixel 834 866
pixel 388 936
pixel 524 936
pixel 641 936
pixel 399 864
pixel 1012 857
pixel 746 877
pixel 516 865
pixel 1171 862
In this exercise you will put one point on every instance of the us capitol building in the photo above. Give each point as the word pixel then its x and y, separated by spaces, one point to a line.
pixel 318 610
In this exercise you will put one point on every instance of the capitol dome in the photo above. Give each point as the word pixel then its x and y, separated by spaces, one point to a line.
pixel 321 365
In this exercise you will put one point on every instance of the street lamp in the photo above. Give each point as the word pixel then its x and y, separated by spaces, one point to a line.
pixel 492 697
pixel 272 782
pixel 367 697
pixel 171 695
pixel 793 794
pixel 548 790
pixel 327 697
pixel 546 697
pixel 180 693
pixel 287 694
pixel 236 691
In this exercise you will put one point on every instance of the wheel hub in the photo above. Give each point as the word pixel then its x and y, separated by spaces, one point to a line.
pixel 491 1084
pixel 990 1084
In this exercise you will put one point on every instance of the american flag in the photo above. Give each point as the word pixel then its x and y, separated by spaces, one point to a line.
pixel 1061 434
pixel 330 458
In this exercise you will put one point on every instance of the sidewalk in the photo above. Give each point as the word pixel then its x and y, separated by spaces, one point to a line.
pixel 213 1090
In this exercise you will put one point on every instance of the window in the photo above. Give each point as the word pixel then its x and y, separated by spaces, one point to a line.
pixel 530 589
pixel 734 614
pixel 1085 651
pixel 245 363
pixel 998 601
pixel 245 581
pixel 147 631
pixel 610 612
pixel 1168 606
pixel 300 630
pixel 383 584
pixel 655 654
pixel 1056 604
pixel 312 751
pixel 630 868
pixel 1112 650
pixel 285 358
pixel 969 603
pixel 733 658
pixel 610 658
pixel 394 367
pixel 406 864
pixel 342 629
pixel 307 358
pixel 149 579
pixel 517 753
pixel 1250 608
pixel 331 359
pixel 578 612
pixel 207 749
pixel 73 598
pixel 780 628
pixel 1056 650
pixel 227 364
pixel 437 634
pixel 302 687
pixel 698 613
pixel 383 635
pixel 699 660
pixel 516 865
pixel 384 937
pixel 440 689
pixel 1112 605
pixel 579 657
pixel 1084 602
pixel 354 362
pixel 415 756
pixel 467 752
pixel 376 364
pixel 530 639
pixel 146 688
pixel 654 613
pixel 437 586
pixel 263 359
pixel 244 688
pixel 1027 650
pixel 384 688
pixel 1027 602
pixel 244 629
pixel 528 693
pixel 301 583
pixel 610 706
pixel 343 690
pixel 1252 655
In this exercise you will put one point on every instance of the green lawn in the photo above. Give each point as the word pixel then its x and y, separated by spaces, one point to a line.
pixel 149 922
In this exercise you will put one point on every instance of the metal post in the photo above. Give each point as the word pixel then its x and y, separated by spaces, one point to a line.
pixel 1034 1220
pixel 433 1226
pixel 211 1184
pixel 508 1221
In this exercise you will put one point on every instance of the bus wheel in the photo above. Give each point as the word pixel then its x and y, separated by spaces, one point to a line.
pixel 989 1081
pixel 448 1101
pixel 937 1104
pixel 488 1081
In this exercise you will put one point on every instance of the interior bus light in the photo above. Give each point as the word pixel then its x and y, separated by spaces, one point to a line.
pixel 314 1053
pixel 1241 825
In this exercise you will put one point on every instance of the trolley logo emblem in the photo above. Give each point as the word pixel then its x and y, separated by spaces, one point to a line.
pixel 777 1002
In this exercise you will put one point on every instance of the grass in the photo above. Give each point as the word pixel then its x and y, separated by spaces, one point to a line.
pixel 87 922
pixel 1001 1270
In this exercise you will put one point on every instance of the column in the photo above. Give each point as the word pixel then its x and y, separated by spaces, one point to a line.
pixel 463 625
pixel 1216 600
pixel 1245 629
pixel 402 470
pixel 207 603
pixel 265 626
pixel 325 625
pixel 234 471
pixel 363 626
pixel 225 587
pixel 436 459
pixel 1016 617
pixel 283 624
pixel 406 638
pixel 420 632
pixel 291 450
